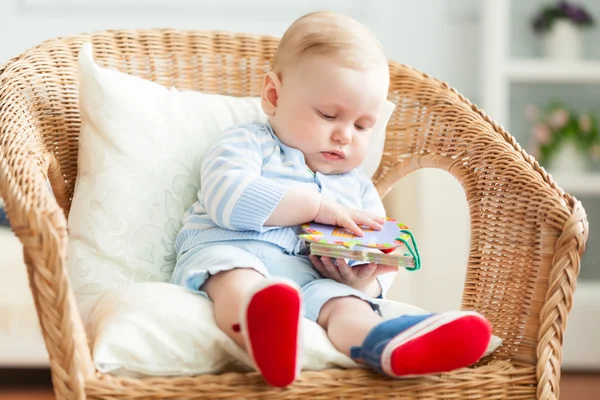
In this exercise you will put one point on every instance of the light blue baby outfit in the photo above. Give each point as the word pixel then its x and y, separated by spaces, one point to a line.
pixel 245 174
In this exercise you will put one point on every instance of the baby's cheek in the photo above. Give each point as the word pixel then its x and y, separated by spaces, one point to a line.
pixel 361 149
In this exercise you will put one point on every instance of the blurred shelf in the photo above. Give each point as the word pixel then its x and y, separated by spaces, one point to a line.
pixel 588 183
pixel 540 70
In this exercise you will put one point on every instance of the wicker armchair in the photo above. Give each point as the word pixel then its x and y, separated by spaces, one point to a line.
pixel 527 235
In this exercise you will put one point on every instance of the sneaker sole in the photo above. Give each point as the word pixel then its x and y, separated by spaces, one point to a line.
pixel 442 343
pixel 272 323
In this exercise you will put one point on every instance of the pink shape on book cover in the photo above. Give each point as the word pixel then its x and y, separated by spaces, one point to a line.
pixel 386 239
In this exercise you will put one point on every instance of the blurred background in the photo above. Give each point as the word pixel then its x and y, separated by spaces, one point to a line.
pixel 533 66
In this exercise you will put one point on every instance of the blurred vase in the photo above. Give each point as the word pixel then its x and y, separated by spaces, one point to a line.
pixel 563 42
pixel 568 160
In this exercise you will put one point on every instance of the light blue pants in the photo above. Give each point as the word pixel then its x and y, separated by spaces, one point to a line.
pixel 200 262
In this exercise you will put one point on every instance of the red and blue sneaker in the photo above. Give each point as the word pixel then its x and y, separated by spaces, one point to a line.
pixel 414 345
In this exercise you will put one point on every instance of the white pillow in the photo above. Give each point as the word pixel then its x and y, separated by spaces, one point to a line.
pixel 160 329
pixel 140 150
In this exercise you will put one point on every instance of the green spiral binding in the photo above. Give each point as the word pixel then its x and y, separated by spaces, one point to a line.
pixel 414 253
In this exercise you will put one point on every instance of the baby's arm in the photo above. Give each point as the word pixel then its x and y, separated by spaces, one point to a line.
pixel 237 197
pixel 299 205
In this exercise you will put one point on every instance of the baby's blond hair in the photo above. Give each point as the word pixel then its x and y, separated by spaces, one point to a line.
pixel 327 33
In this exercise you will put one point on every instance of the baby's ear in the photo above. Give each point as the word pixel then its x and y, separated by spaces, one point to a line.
pixel 270 93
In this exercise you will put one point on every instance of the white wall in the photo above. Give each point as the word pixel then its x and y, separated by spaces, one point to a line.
pixel 28 22
pixel 437 36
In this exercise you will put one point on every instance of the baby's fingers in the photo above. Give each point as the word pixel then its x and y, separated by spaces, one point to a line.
pixel 348 223
pixel 318 264
pixel 368 219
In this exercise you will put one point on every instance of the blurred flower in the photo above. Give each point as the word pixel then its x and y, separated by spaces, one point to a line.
pixel 556 125
pixel 544 20
pixel 541 133
pixel 574 12
pixel 559 118
pixel 585 123
pixel 532 113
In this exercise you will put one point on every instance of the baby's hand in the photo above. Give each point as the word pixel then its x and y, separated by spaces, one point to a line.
pixel 360 277
pixel 333 213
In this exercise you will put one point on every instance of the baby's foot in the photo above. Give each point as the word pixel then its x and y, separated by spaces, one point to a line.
pixel 270 323
pixel 414 345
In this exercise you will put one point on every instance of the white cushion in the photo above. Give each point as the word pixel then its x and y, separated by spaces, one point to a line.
pixel 159 329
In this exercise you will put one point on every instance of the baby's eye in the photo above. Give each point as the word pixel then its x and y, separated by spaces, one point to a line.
pixel 326 116
pixel 359 127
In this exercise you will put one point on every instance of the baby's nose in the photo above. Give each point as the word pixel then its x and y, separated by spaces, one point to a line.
pixel 343 135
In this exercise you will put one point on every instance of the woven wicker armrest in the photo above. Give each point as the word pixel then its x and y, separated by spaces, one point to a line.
pixel 39 221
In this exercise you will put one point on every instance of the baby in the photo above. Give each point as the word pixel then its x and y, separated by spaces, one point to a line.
pixel 260 182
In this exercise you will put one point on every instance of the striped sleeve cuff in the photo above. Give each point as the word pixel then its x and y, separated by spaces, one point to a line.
pixel 256 204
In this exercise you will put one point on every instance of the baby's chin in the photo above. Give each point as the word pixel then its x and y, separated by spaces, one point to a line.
pixel 332 168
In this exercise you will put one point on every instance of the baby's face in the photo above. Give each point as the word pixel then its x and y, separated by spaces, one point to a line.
pixel 328 111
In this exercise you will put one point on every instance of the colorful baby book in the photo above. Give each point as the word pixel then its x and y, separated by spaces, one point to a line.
pixel 393 245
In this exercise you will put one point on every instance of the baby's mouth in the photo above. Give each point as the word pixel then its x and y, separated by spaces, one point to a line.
pixel 333 155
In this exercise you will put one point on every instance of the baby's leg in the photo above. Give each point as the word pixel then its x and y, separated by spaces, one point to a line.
pixel 348 321
pixel 228 290
pixel 223 273
pixel 261 315
pixel 403 346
